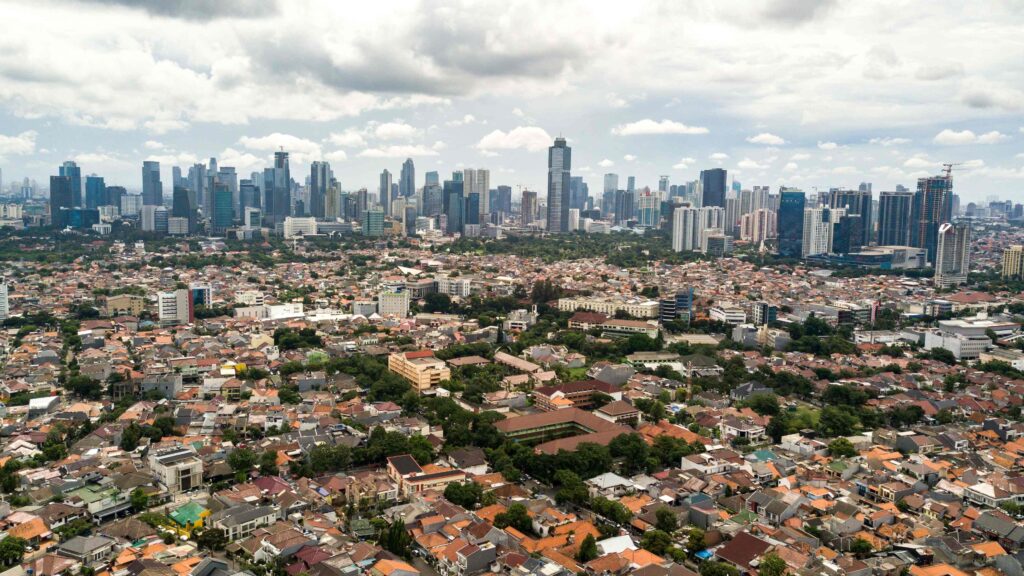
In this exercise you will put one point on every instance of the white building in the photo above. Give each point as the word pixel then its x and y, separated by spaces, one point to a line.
pixel 250 298
pixel 299 227
pixel 819 230
pixel 393 304
pixel 758 226
pixel 953 255
pixel 5 309
pixel 154 219
pixel 175 307
pixel 727 314
pixel 454 286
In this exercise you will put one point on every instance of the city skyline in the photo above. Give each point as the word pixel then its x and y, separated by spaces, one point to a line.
pixel 815 112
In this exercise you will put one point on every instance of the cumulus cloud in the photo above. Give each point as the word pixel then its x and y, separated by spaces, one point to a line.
pixel 648 126
pixel 684 163
pixel 467 119
pixel 719 157
pixel 748 164
pixel 529 138
pixel 397 130
pixel 336 156
pixel 800 156
pixel 920 161
pixel 278 141
pixel 888 141
pixel 164 126
pixel 606 163
pixel 199 9
pixel 629 157
pixel 767 139
pixel 350 138
pixel 950 137
pixel 153 145
pixel 20 144
pixel 790 167
pixel 398 151
pixel 827 145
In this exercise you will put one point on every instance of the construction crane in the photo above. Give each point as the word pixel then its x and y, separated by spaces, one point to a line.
pixel 948 168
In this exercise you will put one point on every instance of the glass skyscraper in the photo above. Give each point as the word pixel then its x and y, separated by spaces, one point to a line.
pixel 559 167
pixel 712 186
pixel 791 223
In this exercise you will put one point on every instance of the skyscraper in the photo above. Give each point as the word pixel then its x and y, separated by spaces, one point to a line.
pixel 712 187
pixel 478 182
pixel 319 187
pixel 953 259
pixel 223 214
pixel 226 175
pixel 454 206
pixel 152 187
pixel 60 197
pixel 856 202
pixel 819 229
pixel 407 180
pixel 197 182
pixel 931 207
pixel 684 225
pixel 528 207
pixel 577 193
pixel 74 174
pixel 1013 262
pixel 183 206
pixel 277 189
pixel 663 184
pixel 559 167
pixel 894 218
pixel 611 184
pixel 791 223
pixel 95 192
pixel 384 190
pixel 504 199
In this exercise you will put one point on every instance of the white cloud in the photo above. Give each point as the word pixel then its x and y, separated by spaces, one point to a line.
pixel 719 157
pixel 171 158
pixel 845 170
pixel 920 161
pixel 684 163
pixel 629 157
pixel 153 145
pixel 766 138
pixel 606 163
pixel 244 162
pixel 336 156
pixel 950 137
pixel 827 145
pixel 350 138
pixel 160 127
pixel 24 143
pixel 398 151
pixel 530 138
pixel 800 156
pixel 748 164
pixel 648 126
pixel 887 141
pixel 396 130
pixel 467 119
pixel 278 141
pixel 790 167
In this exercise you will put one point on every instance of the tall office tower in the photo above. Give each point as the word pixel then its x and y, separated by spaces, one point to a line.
pixel 1013 262
pixel 176 178
pixel 577 199
pixel 759 198
pixel 384 191
pixel 319 187
pixel 248 195
pixel 175 307
pixel 432 179
pixel 856 202
pixel 373 222
pixel 625 202
pixel 611 185
pixel 226 175
pixel 819 230
pixel 74 174
pixel 685 221
pixel 197 182
pixel 152 187
pixel 712 187
pixel 865 187
pixel 953 259
pixel 114 195
pixel 407 179
pixel 528 207
pixel 559 168
pixel 758 226
pixel 182 206
pixel 277 190
pixel 709 218
pixel 663 184
pixel 732 214
pixel 478 182
pixel 504 199
pixel 60 197
pixel 791 223
pixel 95 192
pixel 765 313
pixel 648 210
pixel 471 214
pixel 223 213
pixel 432 201
pixel 746 202
pixel 631 184
pixel 931 207
pixel 848 234
pixel 5 307
pixel 894 218
pixel 153 218
pixel 131 204
pixel 454 206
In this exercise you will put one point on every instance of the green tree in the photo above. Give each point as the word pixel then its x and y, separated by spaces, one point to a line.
pixel 666 520
pixel 12 549
pixel 394 538
pixel 139 499
pixel 517 517
pixel 242 459
pixel 437 302
pixel 772 565
pixel 713 568
pixel 467 495
pixel 212 539
pixel 268 463
pixel 861 548
pixel 588 550
pixel 695 541
pixel 656 541
pixel 841 448
pixel 764 404
pixel 835 421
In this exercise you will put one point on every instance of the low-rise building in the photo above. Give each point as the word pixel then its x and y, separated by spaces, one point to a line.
pixel 422 369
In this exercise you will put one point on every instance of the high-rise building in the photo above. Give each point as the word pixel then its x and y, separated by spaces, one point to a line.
pixel 559 168
pixel 648 210
pixel 5 307
pixel 183 206
pixel 454 206
pixel 758 226
pixel 478 182
pixel 528 207
pixel 932 206
pixel 953 257
pixel 154 218
pixel 432 179
pixel 407 180
pixel 577 193
pixel 611 185
pixel 1013 262
pixel 319 187
pixel 848 234
pixel 152 187
pixel 223 214
pixel 894 218
pixel 226 175
pixel 74 174
pixel 373 222
pixel 856 203
pixel 625 203
pixel 712 187
pixel 631 184
pixel 471 215
pixel 384 191
pixel 95 192
pixel 663 184
pixel 819 230
pixel 791 223
pixel 60 197
pixel 504 199
pixel 684 225
pixel 175 307
pixel 765 313
pixel 277 189
pixel 197 182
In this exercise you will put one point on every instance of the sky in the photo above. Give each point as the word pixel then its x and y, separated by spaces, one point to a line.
pixel 806 93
